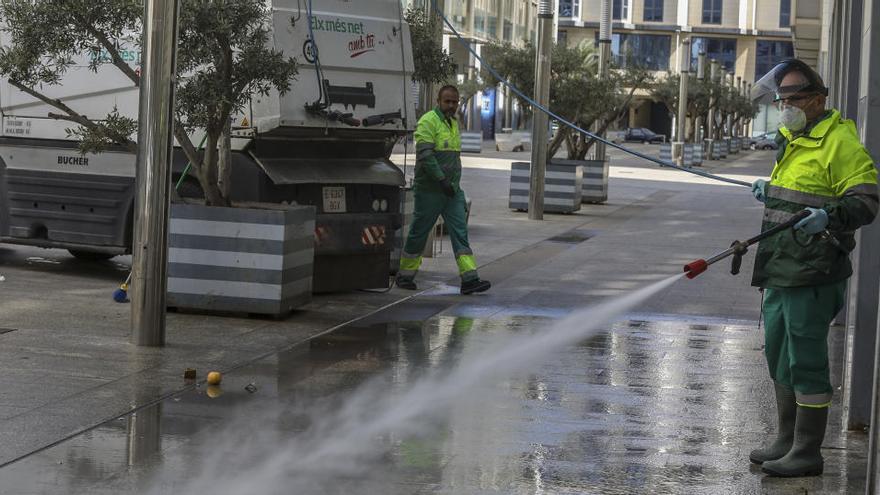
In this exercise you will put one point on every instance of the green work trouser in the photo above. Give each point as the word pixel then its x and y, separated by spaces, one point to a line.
pixel 796 338
pixel 429 205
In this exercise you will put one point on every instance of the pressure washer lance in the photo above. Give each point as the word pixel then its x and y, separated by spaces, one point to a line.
pixel 738 249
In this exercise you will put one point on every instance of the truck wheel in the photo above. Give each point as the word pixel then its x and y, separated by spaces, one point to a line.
pixel 90 255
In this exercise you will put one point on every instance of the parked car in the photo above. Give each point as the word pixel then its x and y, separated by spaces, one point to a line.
pixel 765 141
pixel 643 135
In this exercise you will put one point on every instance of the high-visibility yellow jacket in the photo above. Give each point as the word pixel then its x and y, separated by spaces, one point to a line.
pixel 438 151
pixel 825 167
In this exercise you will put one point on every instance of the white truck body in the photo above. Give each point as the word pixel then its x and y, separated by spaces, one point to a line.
pixel 366 68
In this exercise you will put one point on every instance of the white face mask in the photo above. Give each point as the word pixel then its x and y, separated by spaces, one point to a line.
pixel 793 118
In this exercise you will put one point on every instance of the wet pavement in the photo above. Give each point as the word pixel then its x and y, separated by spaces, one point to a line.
pixel 650 405
pixel 669 399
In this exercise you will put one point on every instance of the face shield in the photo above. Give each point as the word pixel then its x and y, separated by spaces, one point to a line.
pixel 789 80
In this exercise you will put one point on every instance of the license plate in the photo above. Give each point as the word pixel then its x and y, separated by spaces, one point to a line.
pixel 334 200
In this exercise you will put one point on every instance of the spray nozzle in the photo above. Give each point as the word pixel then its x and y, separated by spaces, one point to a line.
pixel 695 268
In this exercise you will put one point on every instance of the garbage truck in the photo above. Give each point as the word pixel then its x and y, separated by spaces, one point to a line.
pixel 325 143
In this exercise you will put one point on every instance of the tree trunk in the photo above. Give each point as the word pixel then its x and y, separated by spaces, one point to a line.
pixel 208 172
pixel 224 163
pixel 556 143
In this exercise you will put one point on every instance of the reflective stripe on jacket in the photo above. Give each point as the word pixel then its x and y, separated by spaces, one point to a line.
pixel 825 167
pixel 438 150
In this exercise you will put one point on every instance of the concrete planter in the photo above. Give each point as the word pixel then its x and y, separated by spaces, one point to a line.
pixel 688 155
pixel 734 146
pixel 744 144
pixel 698 154
pixel 666 151
pixel 722 146
pixel 255 258
pixel 471 142
pixel 563 186
pixel 595 181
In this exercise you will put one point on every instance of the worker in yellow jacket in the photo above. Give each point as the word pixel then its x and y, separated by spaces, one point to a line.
pixel 821 166
pixel 437 191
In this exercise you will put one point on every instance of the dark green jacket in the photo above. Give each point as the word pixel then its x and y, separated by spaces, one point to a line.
pixel 438 151
pixel 824 167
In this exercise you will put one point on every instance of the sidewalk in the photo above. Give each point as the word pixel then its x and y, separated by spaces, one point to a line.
pixel 66 365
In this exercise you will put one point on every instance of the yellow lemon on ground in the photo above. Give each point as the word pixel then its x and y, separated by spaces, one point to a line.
pixel 214 378
pixel 214 391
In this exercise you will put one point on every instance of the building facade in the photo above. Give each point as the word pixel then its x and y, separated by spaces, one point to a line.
pixel 480 22
pixel 747 37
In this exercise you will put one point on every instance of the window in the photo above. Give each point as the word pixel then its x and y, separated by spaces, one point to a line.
pixel 508 30
pixel 649 51
pixel 479 21
pixel 768 53
pixel 620 10
pixel 570 8
pixel 712 11
pixel 653 11
pixel 784 13
pixel 721 49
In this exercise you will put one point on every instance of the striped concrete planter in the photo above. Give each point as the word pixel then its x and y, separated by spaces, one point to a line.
pixel 563 186
pixel 721 145
pixel 471 142
pixel 688 154
pixel 698 154
pixel 744 143
pixel 595 183
pixel 733 146
pixel 666 151
pixel 254 258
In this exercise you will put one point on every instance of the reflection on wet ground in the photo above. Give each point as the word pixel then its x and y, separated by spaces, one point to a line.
pixel 652 405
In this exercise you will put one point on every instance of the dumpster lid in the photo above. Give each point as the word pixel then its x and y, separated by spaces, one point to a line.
pixel 288 170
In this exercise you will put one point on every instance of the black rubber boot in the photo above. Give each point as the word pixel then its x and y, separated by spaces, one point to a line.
pixel 405 283
pixel 475 286
pixel 804 458
pixel 786 411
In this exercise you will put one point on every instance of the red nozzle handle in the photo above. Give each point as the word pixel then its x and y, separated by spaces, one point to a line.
pixel 695 268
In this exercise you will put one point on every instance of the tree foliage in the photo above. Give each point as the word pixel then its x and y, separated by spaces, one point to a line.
pixel 432 63
pixel 577 93
pixel 224 55
pixel 223 58
pixel 703 96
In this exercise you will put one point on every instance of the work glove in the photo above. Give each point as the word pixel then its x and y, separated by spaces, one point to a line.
pixel 758 189
pixel 447 187
pixel 813 224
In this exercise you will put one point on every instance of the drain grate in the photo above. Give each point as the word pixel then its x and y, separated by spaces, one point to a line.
pixel 7 330
pixel 575 236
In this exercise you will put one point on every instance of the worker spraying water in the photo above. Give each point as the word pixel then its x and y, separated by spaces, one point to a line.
pixel 823 187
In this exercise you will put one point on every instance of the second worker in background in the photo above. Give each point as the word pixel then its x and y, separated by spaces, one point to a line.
pixel 437 191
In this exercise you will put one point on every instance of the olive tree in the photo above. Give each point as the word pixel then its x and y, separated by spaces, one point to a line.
pixel 577 93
